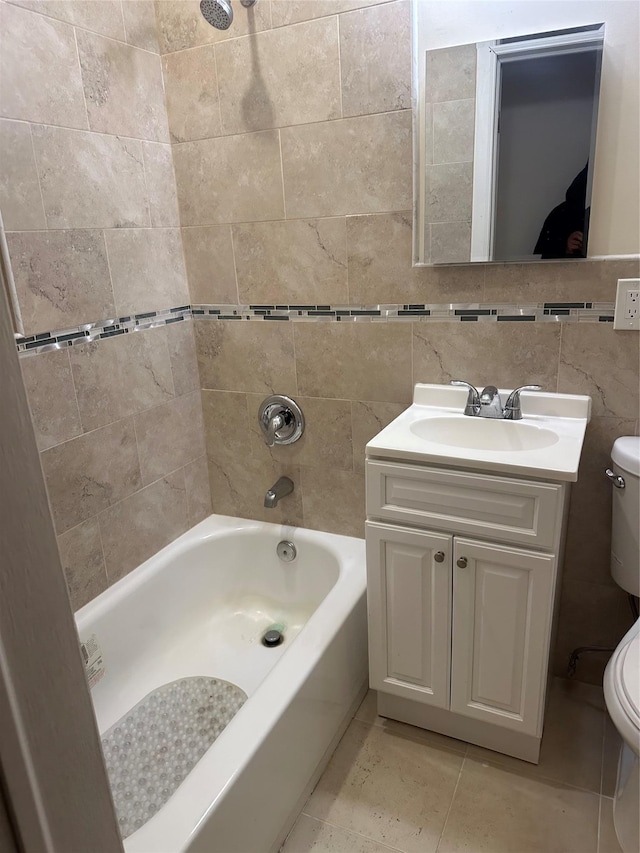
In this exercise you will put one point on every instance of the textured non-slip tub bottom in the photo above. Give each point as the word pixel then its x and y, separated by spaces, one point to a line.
pixel 150 750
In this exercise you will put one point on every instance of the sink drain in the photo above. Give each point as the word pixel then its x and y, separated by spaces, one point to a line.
pixel 272 638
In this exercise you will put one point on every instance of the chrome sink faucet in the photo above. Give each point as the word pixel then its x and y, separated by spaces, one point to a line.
pixel 280 489
pixel 487 404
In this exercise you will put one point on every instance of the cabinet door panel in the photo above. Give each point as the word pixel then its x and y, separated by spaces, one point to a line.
pixel 409 599
pixel 502 603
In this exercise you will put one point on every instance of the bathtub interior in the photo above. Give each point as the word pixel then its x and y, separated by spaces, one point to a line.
pixel 201 609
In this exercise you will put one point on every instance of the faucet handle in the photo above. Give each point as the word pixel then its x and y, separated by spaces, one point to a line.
pixel 512 409
pixel 473 400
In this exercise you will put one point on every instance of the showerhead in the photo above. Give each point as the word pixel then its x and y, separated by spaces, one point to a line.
pixel 218 13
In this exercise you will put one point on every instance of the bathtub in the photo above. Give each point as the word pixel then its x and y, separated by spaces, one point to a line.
pixel 199 608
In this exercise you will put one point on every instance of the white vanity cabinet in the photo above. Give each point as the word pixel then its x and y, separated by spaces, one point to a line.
pixel 462 572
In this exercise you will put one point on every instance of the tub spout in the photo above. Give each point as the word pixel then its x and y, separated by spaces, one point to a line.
pixel 279 490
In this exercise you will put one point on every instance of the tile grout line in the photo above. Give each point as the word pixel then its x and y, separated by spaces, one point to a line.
pixel 453 796
pixel 35 160
pixel 349 831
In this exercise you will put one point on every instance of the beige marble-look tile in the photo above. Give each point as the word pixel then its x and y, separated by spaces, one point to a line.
pixel 226 426
pixel 191 88
pixel 181 343
pixel 39 71
pixel 62 278
pixel 90 472
pixel 285 12
pixel 119 376
pixel 147 269
pixel 256 75
pixel 454 131
pixel 52 397
pixel 298 262
pixel 83 562
pixel 90 180
pixel 104 17
pixel 451 74
pixel 379 248
pixel 137 527
pixel 498 811
pixel 232 356
pixel 333 500
pixel 169 436
pixel 571 751
pixel 161 183
pixel 450 242
pixel 590 615
pixel 560 281
pixel 20 199
pixel 211 272
pixel 310 834
pixel 355 165
pixel 375 59
pixel 390 786
pixel 350 361
pixel 325 442
pixel 229 179
pixel 368 419
pixel 601 362
pixel 505 355
pixel 607 839
pixel 238 487
pixel 449 190
pixel 139 18
pixel 196 480
pixel 181 24
pixel 587 553
pixel 123 88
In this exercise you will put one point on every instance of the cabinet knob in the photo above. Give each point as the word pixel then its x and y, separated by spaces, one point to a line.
pixel 462 562
pixel 439 557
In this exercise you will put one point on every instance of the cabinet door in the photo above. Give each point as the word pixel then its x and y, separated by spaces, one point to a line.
pixel 502 607
pixel 409 601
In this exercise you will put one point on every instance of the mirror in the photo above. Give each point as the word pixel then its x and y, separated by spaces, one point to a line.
pixel 505 133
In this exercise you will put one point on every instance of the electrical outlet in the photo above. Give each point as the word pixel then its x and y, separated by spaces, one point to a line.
pixel 627 313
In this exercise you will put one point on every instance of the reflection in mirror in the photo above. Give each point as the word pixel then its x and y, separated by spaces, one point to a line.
pixel 507 147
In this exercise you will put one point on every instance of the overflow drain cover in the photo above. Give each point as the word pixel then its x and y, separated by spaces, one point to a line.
pixel 272 638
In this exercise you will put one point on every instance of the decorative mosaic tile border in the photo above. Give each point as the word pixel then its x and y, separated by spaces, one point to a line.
pixel 541 312
pixel 590 312
pixel 89 332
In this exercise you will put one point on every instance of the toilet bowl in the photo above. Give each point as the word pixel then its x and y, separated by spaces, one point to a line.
pixel 622 675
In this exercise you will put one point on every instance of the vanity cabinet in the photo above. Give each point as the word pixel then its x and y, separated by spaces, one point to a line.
pixel 462 572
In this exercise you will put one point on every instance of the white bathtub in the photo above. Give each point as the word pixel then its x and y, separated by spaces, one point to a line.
pixel 200 607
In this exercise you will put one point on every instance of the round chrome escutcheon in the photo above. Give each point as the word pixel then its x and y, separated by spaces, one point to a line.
pixel 287 551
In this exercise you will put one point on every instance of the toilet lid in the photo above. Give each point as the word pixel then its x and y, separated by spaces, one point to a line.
pixel 626 453
pixel 630 676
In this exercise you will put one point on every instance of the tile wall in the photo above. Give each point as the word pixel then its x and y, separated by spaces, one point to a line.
pixel 291 137
pixel 88 199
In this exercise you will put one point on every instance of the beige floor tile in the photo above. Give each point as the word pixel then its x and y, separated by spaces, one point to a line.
pixel 311 834
pixel 368 713
pixel 610 755
pixel 388 785
pixel 572 740
pixel 607 838
pixel 498 811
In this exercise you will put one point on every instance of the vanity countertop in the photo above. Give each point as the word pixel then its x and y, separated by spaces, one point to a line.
pixel 545 444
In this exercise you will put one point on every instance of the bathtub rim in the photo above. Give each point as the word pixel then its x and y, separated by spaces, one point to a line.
pixel 177 824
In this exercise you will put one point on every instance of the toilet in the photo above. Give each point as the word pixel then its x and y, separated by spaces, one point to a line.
pixel 622 675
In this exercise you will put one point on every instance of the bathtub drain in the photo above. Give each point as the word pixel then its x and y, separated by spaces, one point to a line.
pixel 150 750
pixel 272 637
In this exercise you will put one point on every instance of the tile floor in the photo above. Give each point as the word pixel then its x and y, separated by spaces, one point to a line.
pixel 394 787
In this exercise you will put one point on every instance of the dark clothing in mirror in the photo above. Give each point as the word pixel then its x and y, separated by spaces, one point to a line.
pixel 564 222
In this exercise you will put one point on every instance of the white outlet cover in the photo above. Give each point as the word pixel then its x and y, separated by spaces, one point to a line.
pixel 619 320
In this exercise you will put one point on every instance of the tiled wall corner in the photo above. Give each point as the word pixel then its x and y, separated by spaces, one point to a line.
pixel 87 191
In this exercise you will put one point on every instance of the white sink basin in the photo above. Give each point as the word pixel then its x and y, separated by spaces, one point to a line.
pixel 484 433
pixel 545 444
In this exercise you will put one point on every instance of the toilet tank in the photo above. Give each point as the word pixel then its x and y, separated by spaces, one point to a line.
pixel 625 514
